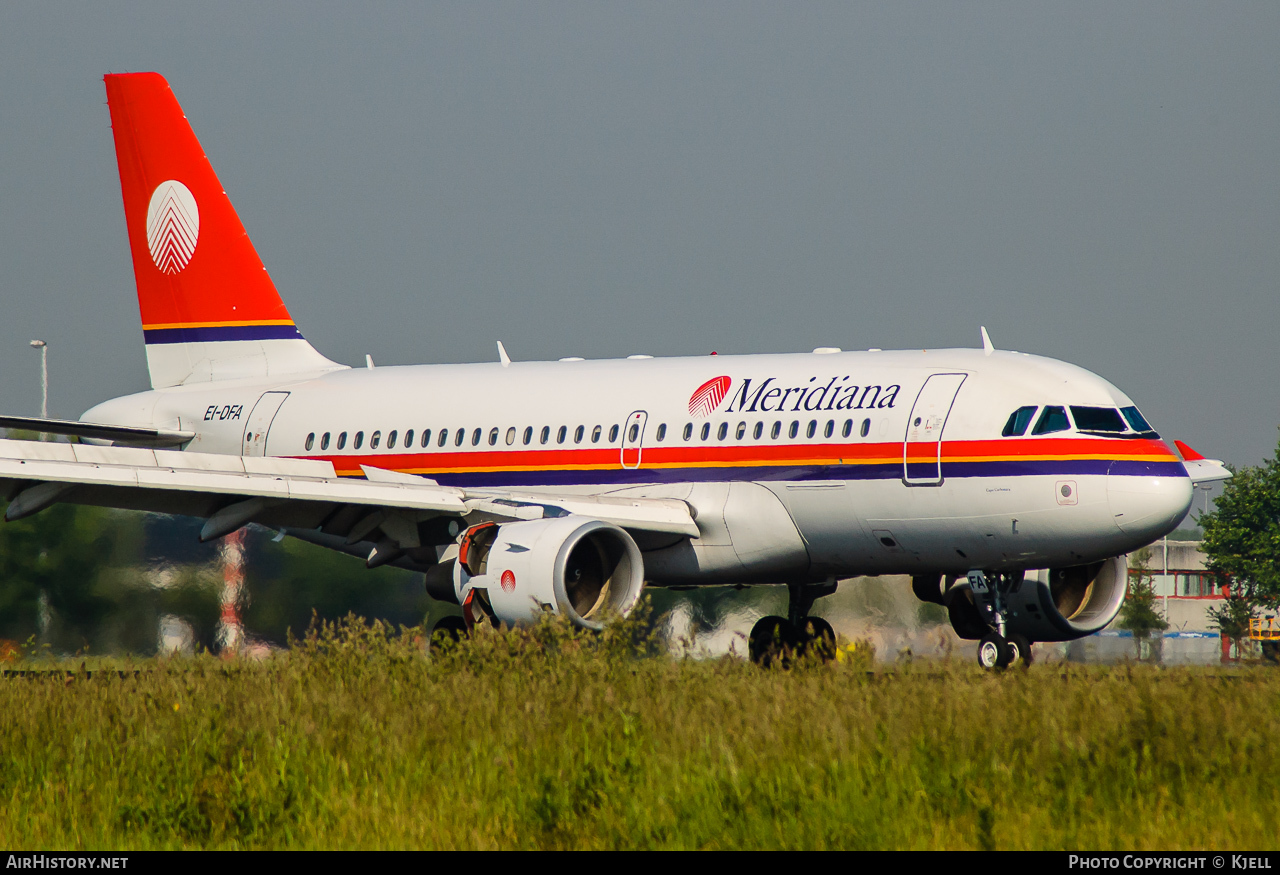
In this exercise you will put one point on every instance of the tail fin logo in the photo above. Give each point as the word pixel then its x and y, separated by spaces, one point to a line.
pixel 708 396
pixel 173 226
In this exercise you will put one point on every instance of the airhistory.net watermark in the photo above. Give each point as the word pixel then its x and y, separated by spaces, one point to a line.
pixel 64 861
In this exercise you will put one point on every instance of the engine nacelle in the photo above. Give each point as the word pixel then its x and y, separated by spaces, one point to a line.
pixel 1063 604
pixel 586 569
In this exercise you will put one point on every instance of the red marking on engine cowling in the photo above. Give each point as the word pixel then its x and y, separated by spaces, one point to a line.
pixel 508 581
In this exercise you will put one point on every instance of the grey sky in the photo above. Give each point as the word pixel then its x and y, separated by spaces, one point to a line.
pixel 1098 183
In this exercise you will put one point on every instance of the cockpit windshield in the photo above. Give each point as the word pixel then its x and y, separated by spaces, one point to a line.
pixel 1105 419
pixel 1053 419
pixel 1102 421
pixel 1136 420
pixel 1018 421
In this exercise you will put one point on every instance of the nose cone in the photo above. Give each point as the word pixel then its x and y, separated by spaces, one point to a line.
pixel 1148 500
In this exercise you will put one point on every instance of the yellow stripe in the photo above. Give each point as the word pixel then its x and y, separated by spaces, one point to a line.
pixel 162 325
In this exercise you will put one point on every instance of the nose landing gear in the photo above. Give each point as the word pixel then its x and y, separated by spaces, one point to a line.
pixel 997 648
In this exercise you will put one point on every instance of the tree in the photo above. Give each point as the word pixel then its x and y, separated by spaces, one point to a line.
pixel 1242 535
pixel 1232 617
pixel 1139 614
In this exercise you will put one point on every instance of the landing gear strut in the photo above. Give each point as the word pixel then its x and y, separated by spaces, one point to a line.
pixel 988 604
pixel 779 640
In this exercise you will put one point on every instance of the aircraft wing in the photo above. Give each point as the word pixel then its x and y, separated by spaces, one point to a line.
pixel 386 517
pixel 1200 469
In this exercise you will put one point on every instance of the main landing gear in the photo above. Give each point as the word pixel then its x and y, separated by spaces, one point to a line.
pixel 780 640
pixel 985 603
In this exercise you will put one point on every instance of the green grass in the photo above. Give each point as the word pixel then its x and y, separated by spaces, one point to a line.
pixel 354 738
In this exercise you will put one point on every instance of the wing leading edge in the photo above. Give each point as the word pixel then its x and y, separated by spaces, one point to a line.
pixel 388 517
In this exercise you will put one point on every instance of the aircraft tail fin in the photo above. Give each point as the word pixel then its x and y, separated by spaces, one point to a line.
pixel 209 309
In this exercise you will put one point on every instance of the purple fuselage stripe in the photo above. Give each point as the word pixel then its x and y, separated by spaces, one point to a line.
pixel 891 471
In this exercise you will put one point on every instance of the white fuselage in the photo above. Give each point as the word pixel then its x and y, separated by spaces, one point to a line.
pixel 800 466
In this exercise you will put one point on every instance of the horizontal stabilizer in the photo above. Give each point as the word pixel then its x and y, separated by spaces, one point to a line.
pixel 121 435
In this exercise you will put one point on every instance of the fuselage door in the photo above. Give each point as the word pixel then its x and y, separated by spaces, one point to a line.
pixel 633 439
pixel 255 433
pixel 922 447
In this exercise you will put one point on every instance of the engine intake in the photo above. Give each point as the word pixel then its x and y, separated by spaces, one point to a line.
pixel 586 569
pixel 1062 604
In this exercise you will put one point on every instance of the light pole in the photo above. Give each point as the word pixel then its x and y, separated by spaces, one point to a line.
pixel 44 376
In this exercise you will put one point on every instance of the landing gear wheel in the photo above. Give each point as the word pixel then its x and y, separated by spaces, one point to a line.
pixel 450 629
pixel 817 638
pixel 772 641
pixel 994 651
pixel 1020 650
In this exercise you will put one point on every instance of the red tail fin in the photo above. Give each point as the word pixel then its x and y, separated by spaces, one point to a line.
pixel 200 281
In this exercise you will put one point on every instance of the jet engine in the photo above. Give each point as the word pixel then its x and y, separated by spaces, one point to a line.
pixel 514 572
pixel 1054 604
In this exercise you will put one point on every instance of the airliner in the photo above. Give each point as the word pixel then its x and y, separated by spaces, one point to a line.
pixel 1008 486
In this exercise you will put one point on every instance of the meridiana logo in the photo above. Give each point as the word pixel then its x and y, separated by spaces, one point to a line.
pixel 708 396
pixel 173 226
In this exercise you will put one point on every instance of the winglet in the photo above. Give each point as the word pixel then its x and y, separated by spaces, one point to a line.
pixel 987 348
pixel 1188 454
pixel 502 355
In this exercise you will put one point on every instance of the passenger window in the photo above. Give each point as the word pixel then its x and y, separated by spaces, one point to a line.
pixel 324 441
pixel 426 438
pixel 560 435
pixel 1097 419
pixel 375 440
pixel 493 437
pixel 662 432
pixel 830 427
pixel 597 432
pixel 356 444
pixel 528 435
pixel 475 437
pixel 408 439
pixel 613 434
pixel 459 437
pixel 391 441
pixel 578 433
pixel 757 431
pixel 1136 420
pixel 511 435
pixel 794 429
pixel 706 430
pixel 741 431
pixel 775 431
pixel 1018 422
pixel 866 428
pixel 545 435
pixel 1053 419
pixel 848 428
pixel 813 426
pixel 688 430
pixel 634 432
pixel 311 441
pixel 444 437
pixel 342 441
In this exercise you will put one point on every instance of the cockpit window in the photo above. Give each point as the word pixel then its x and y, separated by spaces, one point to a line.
pixel 1053 419
pixel 1097 419
pixel 1135 419
pixel 1018 421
